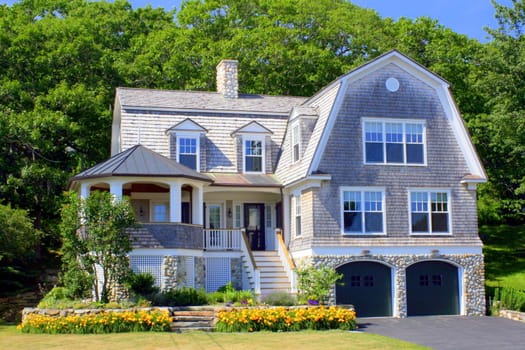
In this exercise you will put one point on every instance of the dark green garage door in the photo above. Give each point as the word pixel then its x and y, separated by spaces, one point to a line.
pixel 367 286
pixel 432 289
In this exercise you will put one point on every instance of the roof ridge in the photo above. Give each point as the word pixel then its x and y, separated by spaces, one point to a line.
pixel 124 158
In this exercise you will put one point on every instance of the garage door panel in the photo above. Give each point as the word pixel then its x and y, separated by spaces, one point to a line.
pixel 432 289
pixel 367 286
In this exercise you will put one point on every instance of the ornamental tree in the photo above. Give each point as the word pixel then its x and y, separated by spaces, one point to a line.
pixel 95 243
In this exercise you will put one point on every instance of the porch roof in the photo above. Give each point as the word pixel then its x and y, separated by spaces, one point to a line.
pixel 140 161
pixel 244 180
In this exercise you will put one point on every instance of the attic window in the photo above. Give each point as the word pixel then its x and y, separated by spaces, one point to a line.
pixel 296 139
pixel 253 155
pixel 187 151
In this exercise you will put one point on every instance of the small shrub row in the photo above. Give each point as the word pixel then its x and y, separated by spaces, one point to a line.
pixel 103 322
pixel 283 320
pixel 181 297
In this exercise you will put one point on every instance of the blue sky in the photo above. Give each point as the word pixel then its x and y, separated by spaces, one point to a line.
pixel 463 16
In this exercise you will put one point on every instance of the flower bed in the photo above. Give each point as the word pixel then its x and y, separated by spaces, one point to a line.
pixel 283 320
pixel 102 322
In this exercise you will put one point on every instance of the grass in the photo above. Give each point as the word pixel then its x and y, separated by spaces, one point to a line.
pixel 504 252
pixel 305 340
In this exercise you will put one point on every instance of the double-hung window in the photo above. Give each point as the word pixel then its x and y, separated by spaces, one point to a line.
pixel 188 151
pixel 297 215
pixel 296 149
pixel 394 142
pixel 430 212
pixel 362 211
pixel 253 155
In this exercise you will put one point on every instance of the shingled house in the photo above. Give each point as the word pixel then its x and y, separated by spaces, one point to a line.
pixel 374 175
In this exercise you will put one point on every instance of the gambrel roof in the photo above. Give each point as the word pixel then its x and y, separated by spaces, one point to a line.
pixel 329 100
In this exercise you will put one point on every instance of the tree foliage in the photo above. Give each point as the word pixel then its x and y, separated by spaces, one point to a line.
pixel 60 62
pixel 95 242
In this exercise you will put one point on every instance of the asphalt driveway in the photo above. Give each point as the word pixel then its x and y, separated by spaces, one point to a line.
pixel 451 332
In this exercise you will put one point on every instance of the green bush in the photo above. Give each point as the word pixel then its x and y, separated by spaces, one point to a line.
pixel 181 297
pixel 280 299
pixel 228 294
pixel 56 298
pixel 142 285
pixel 507 298
pixel 315 283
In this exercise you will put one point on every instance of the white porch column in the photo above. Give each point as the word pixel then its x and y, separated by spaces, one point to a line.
pixel 175 201
pixel 115 188
pixel 197 204
pixel 286 217
pixel 84 190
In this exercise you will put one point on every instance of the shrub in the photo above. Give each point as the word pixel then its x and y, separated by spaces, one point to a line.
pixel 507 298
pixel 103 322
pixel 315 283
pixel 282 320
pixel 56 297
pixel 181 297
pixel 228 294
pixel 280 299
pixel 142 285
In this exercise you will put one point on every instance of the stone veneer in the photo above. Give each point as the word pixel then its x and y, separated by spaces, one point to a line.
pixel 236 273
pixel 473 275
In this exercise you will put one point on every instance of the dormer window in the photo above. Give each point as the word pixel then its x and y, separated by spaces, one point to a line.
pixel 253 155
pixel 187 151
pixel 253 136
pixel 296 139
pixel 185 141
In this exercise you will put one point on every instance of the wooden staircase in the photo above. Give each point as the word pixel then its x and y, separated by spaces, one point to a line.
pixel 187 319
pixel 273 274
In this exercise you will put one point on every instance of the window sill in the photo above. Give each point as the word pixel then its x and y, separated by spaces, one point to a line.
pixel 366 234
pixel 398 164
pixel 427 234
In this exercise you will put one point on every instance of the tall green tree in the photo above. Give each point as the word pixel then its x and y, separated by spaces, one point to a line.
pixel 499 132
pixel 95 242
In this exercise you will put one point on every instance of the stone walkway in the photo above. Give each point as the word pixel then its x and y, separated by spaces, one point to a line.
pixel 451 332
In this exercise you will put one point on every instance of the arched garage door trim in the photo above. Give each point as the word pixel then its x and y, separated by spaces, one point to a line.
pixel 393 310
pixel 460 272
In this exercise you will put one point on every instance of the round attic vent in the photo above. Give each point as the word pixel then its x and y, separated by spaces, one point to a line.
pixel 392 84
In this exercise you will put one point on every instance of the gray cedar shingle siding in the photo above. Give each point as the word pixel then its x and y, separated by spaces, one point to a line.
pixel 343 159
pixel 222 152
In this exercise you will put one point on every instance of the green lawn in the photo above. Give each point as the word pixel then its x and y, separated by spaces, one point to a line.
pixel 11 338
pixel 504 255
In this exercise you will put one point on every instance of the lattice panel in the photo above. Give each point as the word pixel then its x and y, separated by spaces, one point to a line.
pixel 148 263
pixel 218 273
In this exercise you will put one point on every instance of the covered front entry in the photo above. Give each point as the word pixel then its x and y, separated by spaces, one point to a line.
pixel 432 289
pixel 368 286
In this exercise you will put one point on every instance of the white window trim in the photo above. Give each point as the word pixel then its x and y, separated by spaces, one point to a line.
pixel 234 214
pixel 362 190
pixel 296 198
pixel 298 141
pixel 252 137
pixel 190 135
pixel 428 190
pixel 391 120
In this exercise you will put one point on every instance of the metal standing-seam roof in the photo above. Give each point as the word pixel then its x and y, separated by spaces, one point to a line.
pixel 140 161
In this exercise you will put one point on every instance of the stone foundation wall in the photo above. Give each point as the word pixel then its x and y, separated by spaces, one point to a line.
pixel 473 281
pixel 236 273
pixel 200 273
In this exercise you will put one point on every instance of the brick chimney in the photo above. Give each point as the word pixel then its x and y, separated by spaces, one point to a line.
pixel 227 78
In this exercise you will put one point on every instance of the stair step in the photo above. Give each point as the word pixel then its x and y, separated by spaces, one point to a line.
pixel 194 313
pixel 191 324
pixel 193 318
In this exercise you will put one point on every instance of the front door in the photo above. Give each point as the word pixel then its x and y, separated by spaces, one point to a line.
pixel 254 223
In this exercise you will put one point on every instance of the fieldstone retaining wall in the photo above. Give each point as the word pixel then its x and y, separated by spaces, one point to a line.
pixel 512 315
pixel 472 268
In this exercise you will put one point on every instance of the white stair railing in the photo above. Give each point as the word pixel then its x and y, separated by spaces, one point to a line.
pixel 251 267
pixel 286 260
pixel 222 239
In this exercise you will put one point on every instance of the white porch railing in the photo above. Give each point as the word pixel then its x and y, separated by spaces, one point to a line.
pixel 251 268
pixel 222 239
pixel 286 259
